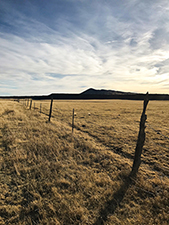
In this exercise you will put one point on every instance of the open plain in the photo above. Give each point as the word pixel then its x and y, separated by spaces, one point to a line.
pixel 51 176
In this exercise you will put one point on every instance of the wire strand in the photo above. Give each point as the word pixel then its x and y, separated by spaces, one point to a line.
pixel 158 132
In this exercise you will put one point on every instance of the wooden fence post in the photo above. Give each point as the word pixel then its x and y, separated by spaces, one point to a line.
pixel 141 139
pixel 50 112
pixel 73 116
pixel 30 104
pixel 40 107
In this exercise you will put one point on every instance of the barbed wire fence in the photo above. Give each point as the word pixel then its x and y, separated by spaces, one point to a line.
pixel 43 109
pixel 46 109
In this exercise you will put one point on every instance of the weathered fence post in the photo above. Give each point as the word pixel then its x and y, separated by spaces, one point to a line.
pixel 141 139
pixel 30 104
pixel 73 116
pixel 50 112
pixel 40 107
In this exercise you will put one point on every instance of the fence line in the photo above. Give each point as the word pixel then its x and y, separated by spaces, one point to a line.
pixel 140 140
pixel 73 126
pixel 28 102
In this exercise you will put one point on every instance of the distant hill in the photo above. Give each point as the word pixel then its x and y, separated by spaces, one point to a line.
pixel 92 93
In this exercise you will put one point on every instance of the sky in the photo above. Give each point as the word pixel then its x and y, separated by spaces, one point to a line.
pixel 68 46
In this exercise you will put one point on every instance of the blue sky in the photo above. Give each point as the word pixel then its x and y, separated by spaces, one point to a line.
pixel 68 46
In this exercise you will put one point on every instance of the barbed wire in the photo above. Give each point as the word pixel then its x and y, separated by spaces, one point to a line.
pixel 158 132
pixel 158 144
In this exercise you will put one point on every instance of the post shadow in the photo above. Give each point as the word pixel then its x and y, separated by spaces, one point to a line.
pixel 111 205
pixel 118 196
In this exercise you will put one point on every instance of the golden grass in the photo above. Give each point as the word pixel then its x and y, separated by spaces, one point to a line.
pixel 49 176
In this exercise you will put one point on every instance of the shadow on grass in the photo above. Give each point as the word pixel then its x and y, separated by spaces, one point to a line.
pixel 111 205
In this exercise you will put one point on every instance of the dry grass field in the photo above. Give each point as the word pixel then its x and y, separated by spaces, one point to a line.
pixel 49 176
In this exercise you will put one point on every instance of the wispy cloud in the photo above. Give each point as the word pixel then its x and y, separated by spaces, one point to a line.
pixel 48 48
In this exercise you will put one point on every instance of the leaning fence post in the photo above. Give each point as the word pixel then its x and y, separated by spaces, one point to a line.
pixel 50 112
pixel 30 104
pixel 141 139
pixel 73 116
